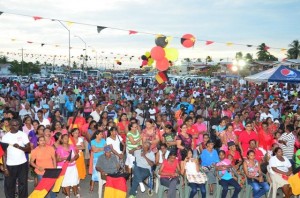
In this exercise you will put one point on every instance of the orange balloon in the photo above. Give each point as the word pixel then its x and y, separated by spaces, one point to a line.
pixel 163 64
pixel 158 53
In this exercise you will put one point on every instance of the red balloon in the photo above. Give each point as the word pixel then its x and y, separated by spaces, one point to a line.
pixel 188 40
pixel 162 65
pixel 158 53
pixel 145 62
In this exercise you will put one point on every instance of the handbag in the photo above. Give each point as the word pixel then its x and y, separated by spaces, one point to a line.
pixel 198 178
pixel 121 145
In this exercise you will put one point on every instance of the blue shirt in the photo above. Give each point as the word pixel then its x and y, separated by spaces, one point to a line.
pixel 70 106
pixel 189 107
pixel 209 158
pixel 100 144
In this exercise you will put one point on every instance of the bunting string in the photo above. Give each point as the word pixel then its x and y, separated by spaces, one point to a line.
pixel 99 28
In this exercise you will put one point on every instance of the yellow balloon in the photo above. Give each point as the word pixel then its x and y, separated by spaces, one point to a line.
pixel 147 54
pixel 171 54
pixel 150 61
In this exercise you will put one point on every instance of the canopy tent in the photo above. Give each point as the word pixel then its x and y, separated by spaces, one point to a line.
pixel 276 74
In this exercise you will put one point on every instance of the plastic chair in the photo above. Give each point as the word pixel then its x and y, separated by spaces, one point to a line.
pixel 101 183
pixel 162 189
pixel 273 185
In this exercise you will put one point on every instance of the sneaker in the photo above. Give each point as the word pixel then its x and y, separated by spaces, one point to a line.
pixel 142 187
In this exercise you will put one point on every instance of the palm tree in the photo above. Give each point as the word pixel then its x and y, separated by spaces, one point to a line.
pixel 294 51
pixel 248 57
pixel 239 56
pixel 263 54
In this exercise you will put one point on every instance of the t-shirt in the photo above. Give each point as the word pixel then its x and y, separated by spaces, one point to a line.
pixel 115 143
pixel 108 165
pixel 100 144
pixel 169 137
pixel 43 157
pixel 95 116
pixel 297 158
pixel 135 137
pixel 244 139
pixel 288 149
pixel 138 117
pixel 169 167
pixel 283 166
pixel 209 158
pixel 225 174
pixel 141 161
pixel 15 156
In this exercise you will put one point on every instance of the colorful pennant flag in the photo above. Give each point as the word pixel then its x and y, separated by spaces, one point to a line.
pixel 100 28
pixel 46 183
pixel 282 49
pixel 229 44
pixel 115 187
pixel 30 42
pixel 161 77
pixel 70 23
pixel 209 42
pixel 61 176
pixel 266 48
pixel 132 32
pixel 249 45
pixel 37 18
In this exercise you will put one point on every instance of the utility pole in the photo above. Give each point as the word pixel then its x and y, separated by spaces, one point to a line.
pixel 22 50
pixel 69 41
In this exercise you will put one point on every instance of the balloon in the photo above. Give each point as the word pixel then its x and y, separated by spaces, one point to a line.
pixel 188 40
pixel 150 61
pixel 162 65
pixel 145 62
pixel 147 54
pixel 158 53
pixel 161 41
pixel 171 54
pixel 144 57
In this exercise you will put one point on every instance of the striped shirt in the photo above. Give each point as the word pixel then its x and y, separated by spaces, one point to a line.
pixel 288 149
pixel 135 137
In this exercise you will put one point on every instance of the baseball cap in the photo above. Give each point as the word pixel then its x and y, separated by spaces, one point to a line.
pixel 107 149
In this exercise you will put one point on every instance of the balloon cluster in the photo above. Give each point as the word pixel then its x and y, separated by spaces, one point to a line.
pixel 162 55
pixel 188 40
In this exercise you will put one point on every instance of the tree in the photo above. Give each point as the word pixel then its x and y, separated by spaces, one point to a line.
pixel 248 57
pixel 263 54
pixel 199 60
pixel 208 59
pixel 239 56
pixel 294 51
pixel 74 65
pixel 3 59
pixel 187 60
pixel 28 68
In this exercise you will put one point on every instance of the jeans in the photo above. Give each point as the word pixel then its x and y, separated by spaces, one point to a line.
pixel 259 189
pixel 194 188
pixel 20 173
pixel 139 175
pixel 171 184
pixel 50 194
pixel 231 182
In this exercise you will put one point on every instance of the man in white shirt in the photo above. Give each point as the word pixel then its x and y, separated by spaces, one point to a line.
pixel 140 113
pixel 96 114
pixel 40 117
pixel 265 114
pixel 27 111
pixel 15 162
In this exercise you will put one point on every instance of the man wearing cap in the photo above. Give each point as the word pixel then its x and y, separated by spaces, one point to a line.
pixel 107 163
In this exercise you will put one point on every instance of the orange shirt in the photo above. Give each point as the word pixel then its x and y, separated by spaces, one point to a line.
pixel 43 157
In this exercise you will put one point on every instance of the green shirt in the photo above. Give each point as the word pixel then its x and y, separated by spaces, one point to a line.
pixel 135 137
pixel 297 158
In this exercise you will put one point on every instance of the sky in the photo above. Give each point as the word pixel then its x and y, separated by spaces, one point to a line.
pixel 274 22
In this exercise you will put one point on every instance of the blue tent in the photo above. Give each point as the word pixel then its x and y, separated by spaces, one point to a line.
pixel 276 74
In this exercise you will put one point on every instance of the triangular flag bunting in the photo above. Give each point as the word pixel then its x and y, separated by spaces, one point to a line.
pixel 100 28
pixel 70 23
pixel 42 44
pixel 283 49
pixel 132 32
pixel 29 42
pixel 13 39
pixel 209 42
pixel 249 45
pixel 37 18
pixel 229 44
pixel 266 48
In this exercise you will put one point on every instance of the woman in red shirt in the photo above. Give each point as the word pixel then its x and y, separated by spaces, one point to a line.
pixel 246 136
pixel 169 172
pixel 123 126
pixel 265 137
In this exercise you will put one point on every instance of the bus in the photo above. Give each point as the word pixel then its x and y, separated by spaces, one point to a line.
pixel 93 74
pixel 107 75
pixel 77 74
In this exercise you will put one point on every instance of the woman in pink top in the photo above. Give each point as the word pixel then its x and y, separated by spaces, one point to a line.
pixel 71 178
pixel 27 121
pixel 169 172
pixel 201 127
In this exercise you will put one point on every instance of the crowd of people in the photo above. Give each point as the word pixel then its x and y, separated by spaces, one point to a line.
pixel 185 134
